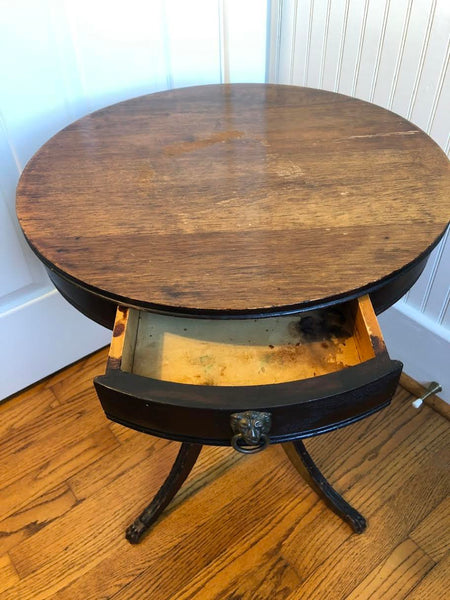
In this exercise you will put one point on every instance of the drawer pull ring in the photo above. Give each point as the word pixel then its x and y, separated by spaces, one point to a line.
pixel 250 429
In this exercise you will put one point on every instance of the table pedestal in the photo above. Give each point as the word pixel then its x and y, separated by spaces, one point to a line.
pixel 185 461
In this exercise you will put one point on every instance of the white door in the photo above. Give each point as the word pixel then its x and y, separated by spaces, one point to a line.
pixel 40 332
pixel 60 60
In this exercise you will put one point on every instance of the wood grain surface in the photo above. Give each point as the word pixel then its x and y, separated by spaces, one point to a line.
pixel 241 528
pixel 235 198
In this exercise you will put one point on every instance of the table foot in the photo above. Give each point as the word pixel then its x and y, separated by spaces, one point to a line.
pixel 302 461
pixel 186 459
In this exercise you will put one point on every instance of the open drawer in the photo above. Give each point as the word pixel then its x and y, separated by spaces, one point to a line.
pixel 183 378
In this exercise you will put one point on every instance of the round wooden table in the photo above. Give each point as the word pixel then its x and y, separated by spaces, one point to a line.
pixel 239 202
pixel 234 200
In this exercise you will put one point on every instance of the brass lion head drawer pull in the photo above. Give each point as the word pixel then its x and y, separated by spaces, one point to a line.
pixel 250 429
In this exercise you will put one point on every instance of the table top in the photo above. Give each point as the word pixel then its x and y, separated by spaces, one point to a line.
pixel 235 199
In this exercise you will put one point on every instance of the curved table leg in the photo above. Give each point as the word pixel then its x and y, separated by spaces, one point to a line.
pixel 186 459
pixel 302 461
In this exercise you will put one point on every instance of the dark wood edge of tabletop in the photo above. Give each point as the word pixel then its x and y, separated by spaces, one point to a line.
pixel 383 292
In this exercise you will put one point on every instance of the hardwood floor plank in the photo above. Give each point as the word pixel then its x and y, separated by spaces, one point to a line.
pixel 396 576
pixel 234 526
pixel 35 515
pixel 376 475
pixel 19 412
pixel 108 467
pixel 74 544
pixel 389 525
pixel 366 443
pixel 266 577
pixel 78 377
pixel 412 455
pixel 191 536
pixel 244 569
pixel 241 527
pixel 213 462
pixel 433 533
pixel 70 547
pixel 375 442
pixel 434 586
pixel 44 439
pixel 8 574
pixel 90 524
pixel 144 584
pixel 55 469
pixel 122 433
pixel 319 525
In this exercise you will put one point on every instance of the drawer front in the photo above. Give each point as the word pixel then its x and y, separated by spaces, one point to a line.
pixel 202 414
pixel 155 398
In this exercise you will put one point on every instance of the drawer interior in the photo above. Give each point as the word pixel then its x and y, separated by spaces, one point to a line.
pixel 245 352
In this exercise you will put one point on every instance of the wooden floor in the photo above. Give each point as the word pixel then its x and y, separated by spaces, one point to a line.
pixel 241 528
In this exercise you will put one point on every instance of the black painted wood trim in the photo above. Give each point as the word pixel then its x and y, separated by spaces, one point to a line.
pixel 102 309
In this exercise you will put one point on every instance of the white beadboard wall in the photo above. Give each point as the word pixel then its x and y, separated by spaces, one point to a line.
pixel 394 53
pixel 59 60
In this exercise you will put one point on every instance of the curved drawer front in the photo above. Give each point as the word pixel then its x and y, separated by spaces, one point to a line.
pixel 184 378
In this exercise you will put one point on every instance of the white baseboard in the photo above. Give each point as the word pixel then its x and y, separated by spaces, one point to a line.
pixel 421 344
pixel 42 336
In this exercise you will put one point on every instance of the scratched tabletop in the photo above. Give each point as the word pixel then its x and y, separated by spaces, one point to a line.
pixel 235 199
